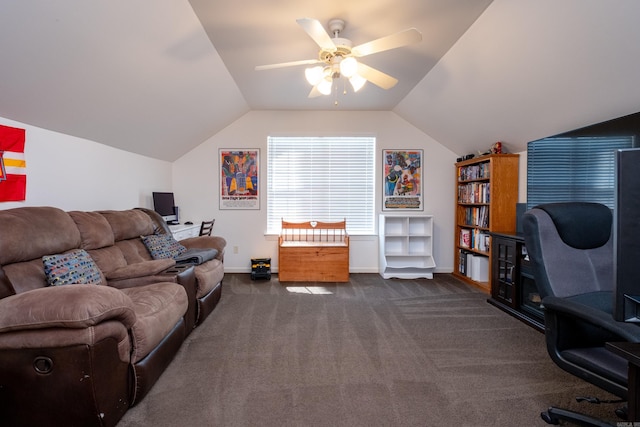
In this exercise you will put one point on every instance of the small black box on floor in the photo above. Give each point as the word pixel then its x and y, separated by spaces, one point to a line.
pixel 260 268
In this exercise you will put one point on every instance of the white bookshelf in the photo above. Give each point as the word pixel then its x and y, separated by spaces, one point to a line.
pixel 406 246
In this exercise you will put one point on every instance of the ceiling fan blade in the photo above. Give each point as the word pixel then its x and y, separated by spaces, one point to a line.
pixel 316 31
pixel 314 93
pixel 403 38
pixel 376 77
pixel 287 64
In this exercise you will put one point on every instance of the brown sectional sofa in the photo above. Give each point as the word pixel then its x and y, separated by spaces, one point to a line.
pixel 83 354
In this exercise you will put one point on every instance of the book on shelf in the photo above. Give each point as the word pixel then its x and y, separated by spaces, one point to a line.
pixel 465 238
pixel 469 272
pixel 480 268
pixel 480 240
pixel 462 262
pixel 477 171
pixel 477 216
pixel 476 239
pixel 474 192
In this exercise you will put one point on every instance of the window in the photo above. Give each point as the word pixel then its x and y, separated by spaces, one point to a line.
pixel 563 169
pixel 321 179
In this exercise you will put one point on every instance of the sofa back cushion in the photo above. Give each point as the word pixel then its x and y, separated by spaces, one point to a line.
pixel 108 259
pixel 129 224
pixel 95 230
pixel 31 232
pixel 27 275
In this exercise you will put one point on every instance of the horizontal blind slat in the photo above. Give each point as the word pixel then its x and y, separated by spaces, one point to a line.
pixel 561 169
pixel 323 179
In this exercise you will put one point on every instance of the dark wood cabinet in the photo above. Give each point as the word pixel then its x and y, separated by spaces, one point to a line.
pixel 513 288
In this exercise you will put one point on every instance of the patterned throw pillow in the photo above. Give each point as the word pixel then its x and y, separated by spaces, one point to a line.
pixel 75 267
pixel 163 246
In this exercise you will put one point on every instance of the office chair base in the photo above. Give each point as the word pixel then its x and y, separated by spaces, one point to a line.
pixel 554 415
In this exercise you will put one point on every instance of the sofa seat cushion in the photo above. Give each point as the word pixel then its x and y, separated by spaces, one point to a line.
pixel 208 275
pixel 158 308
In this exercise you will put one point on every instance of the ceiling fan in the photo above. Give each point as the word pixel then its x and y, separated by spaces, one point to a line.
pixel 337 57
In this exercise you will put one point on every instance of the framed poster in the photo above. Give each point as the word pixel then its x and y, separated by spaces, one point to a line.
pixel 239 175
pixel 402 175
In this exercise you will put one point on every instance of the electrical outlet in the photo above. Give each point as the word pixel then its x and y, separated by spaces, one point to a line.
pixel 235 249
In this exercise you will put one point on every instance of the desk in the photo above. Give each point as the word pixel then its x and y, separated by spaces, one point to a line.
pixel 631 352
pixel 182 231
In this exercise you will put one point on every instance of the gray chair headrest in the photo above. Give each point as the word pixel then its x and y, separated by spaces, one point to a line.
pixel 582 225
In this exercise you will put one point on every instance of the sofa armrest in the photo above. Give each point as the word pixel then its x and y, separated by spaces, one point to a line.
pixel 69 306
pixel 212 242
pixel 140 269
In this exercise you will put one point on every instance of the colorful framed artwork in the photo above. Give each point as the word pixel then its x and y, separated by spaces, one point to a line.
pixel 402 180
pixel 239 178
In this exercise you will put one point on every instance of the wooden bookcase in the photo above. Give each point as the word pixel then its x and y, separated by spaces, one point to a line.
pixel 486 197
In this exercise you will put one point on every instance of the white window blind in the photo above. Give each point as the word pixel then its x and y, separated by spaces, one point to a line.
pixel 321 179
pixel 567 169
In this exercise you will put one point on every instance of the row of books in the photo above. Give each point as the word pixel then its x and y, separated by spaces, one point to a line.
pixel 477 216
pixel 475 239
pixel 479 171
pixel 475 267
pixel 474 192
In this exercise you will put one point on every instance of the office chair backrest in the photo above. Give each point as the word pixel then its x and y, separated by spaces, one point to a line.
pixel 571 248
pixel 206 227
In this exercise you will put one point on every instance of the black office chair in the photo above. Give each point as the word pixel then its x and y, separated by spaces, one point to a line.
pixel 570 246
pixel 206 227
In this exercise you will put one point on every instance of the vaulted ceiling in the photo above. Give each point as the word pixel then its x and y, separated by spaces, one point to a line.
pixel 159 77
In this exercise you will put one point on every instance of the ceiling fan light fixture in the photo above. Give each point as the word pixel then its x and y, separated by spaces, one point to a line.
pixel 349 66
pixel 324 87
pixel 314 75
pixel 357 81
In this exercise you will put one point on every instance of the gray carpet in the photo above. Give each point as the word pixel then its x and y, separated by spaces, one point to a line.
pixel 371 352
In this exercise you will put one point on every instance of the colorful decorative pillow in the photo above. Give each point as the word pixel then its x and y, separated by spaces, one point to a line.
pixel 75 267
pixel 162 246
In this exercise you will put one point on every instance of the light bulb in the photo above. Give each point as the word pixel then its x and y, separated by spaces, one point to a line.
pixel 314 75
pixel 348 66
pixel 324 87
pixel 357 81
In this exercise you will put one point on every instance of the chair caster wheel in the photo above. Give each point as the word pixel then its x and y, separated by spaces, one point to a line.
pixel 621 413
pixel 549 418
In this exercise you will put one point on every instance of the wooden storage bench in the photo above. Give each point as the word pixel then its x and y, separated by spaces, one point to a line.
pixel 313 251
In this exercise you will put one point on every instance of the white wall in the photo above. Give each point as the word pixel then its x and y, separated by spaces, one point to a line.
pixel 522 178
pixel 77 174
pixel 196 181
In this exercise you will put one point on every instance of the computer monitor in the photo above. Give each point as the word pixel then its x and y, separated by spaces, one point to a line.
pixel 164 204
pixel 626 235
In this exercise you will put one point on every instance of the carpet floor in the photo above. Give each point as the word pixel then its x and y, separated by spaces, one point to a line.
pixel 370 352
